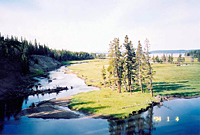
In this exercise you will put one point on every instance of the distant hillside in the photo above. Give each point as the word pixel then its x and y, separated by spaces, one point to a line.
pixel 172 51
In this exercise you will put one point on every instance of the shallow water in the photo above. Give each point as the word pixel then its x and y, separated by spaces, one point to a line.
pixel 180 116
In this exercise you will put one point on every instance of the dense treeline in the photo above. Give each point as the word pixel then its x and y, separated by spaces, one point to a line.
pixel 13 49
pixel 132 66
pixel 194 54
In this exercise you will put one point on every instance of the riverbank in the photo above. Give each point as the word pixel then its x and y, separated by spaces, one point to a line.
pixel 14 84
pixel 169 82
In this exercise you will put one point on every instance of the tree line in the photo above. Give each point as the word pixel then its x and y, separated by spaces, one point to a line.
pixel 168 59
pixel 194 54
pixel 129 67
pixel 13 49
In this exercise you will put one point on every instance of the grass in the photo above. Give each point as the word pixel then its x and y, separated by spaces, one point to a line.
pixel 90 71
pixel 169 80
pixel 181 80
pixel 108 102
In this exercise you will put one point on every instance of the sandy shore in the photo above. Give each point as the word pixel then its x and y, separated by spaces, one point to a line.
pixel 50 110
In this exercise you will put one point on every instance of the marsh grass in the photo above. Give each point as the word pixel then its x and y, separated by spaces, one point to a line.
pixel 168 80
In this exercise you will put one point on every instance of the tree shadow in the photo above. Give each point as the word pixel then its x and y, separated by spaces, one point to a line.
pixel 169 86
pixel 91 109
pixel 80 103
pixel 87 109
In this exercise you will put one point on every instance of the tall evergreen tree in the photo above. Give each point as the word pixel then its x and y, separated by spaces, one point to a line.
pixel 157 59
pixel 139 66
pixel 164 58
pixel 114 64
pixel 150 71
pixel 179 59
pixel 129 60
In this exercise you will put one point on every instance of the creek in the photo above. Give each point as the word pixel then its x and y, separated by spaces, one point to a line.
pixel 180 116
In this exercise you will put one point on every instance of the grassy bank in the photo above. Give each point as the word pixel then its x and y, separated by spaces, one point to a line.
pixel 169 80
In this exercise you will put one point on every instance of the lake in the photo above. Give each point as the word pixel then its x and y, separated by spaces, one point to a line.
pixel 179 116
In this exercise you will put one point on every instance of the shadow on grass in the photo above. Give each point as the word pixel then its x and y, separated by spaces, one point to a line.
pixel 169 86
pixel 179 86
pixel 79 103
pixel 91 109
pixel 186 93
pixel 87 109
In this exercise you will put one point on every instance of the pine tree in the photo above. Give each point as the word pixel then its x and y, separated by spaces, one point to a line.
pixel 157 59
pixel 150 71
pixel 129 60
pixel 139 66
pixel 179 59
pixel 169 59
pixel 114 63
pixel 163 58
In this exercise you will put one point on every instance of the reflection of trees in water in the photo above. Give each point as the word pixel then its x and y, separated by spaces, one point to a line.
pixel 9 108
pixel 133 125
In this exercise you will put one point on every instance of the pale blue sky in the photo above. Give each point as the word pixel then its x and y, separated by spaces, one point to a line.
pixel 90 25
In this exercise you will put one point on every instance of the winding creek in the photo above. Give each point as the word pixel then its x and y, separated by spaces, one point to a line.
pixel 180 116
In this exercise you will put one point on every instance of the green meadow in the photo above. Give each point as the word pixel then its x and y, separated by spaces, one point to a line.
pixel 168 80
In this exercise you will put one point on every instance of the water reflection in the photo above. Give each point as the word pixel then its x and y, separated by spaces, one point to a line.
pixel 9 109
pixel 137 124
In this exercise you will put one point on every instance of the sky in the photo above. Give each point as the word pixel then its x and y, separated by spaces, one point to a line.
pixel 90 25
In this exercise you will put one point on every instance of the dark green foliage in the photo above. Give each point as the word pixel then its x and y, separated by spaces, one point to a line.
pixel 20 51
pixel 195 53
pixel 129 58
pixel 157 59
pixel 130 66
